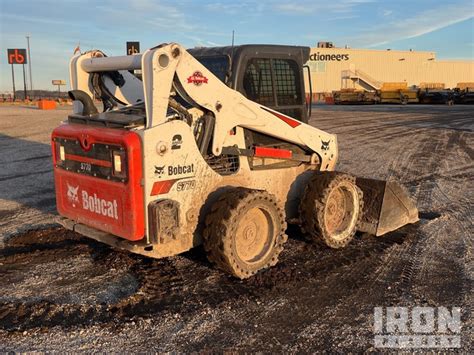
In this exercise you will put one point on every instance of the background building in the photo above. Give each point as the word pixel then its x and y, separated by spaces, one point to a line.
pixel 337 68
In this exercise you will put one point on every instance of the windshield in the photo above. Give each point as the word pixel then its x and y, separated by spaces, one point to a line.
pixel 218 65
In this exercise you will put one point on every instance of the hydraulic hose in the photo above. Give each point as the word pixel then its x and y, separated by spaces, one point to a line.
pixel 86 101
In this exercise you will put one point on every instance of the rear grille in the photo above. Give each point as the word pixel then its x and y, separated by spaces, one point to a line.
pixel 96 161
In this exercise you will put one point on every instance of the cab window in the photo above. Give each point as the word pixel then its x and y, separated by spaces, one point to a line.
pixel 274 83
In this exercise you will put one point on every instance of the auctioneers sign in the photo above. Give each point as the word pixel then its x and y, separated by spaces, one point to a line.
pixel 318 57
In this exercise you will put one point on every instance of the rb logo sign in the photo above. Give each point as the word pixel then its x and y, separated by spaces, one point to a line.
pixel 16 56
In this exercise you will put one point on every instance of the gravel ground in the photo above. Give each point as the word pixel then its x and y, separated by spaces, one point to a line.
pixel 26 191
pixel 63 292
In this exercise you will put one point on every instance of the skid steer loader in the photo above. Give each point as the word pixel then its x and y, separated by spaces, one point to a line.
pixel 210 146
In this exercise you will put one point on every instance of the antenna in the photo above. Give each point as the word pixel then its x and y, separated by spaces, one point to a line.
pixel 232 50
pixel 229 71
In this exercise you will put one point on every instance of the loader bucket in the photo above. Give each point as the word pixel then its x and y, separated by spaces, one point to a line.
pixel 387 206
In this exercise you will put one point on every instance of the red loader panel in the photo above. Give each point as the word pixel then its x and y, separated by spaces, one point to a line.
pixel 98 173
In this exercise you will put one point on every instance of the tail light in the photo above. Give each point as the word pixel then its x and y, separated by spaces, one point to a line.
pixel 119 163
pixel 60 152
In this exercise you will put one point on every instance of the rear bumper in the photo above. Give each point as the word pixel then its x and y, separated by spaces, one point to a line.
pixel 139 247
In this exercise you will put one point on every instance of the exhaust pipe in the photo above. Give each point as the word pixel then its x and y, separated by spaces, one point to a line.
pixel 88 107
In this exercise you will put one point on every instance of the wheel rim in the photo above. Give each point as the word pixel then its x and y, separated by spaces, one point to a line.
pixel 254 235
pixel 340 214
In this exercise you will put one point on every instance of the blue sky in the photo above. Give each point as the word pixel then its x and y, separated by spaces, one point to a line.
pixel 56 27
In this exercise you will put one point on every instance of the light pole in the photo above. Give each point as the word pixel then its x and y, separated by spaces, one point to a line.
pixel 29 64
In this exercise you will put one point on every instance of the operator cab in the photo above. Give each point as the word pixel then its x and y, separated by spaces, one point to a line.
pixel 270 75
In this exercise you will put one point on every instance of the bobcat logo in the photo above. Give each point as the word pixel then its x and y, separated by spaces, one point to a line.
pixel 159 170
pixel 72 194
pixel 325 145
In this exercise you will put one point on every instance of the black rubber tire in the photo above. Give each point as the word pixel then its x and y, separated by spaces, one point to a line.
pixel 313 206
pixel 222 225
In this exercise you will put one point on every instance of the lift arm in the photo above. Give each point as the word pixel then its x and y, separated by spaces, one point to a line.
pixel 170 66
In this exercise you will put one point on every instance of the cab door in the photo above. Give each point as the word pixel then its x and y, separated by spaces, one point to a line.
pixel 274 82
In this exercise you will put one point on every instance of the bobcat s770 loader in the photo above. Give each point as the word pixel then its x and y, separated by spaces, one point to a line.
pixel 209 146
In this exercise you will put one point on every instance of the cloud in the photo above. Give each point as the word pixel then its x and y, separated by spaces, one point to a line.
pixel 34 19
pixel 293 8
pixel 200 42
pixel 310 7
pixel 229 8
pixel 424 22
pixel 142 4
pixel 247 8
pixel 342 17
pixel 155 15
